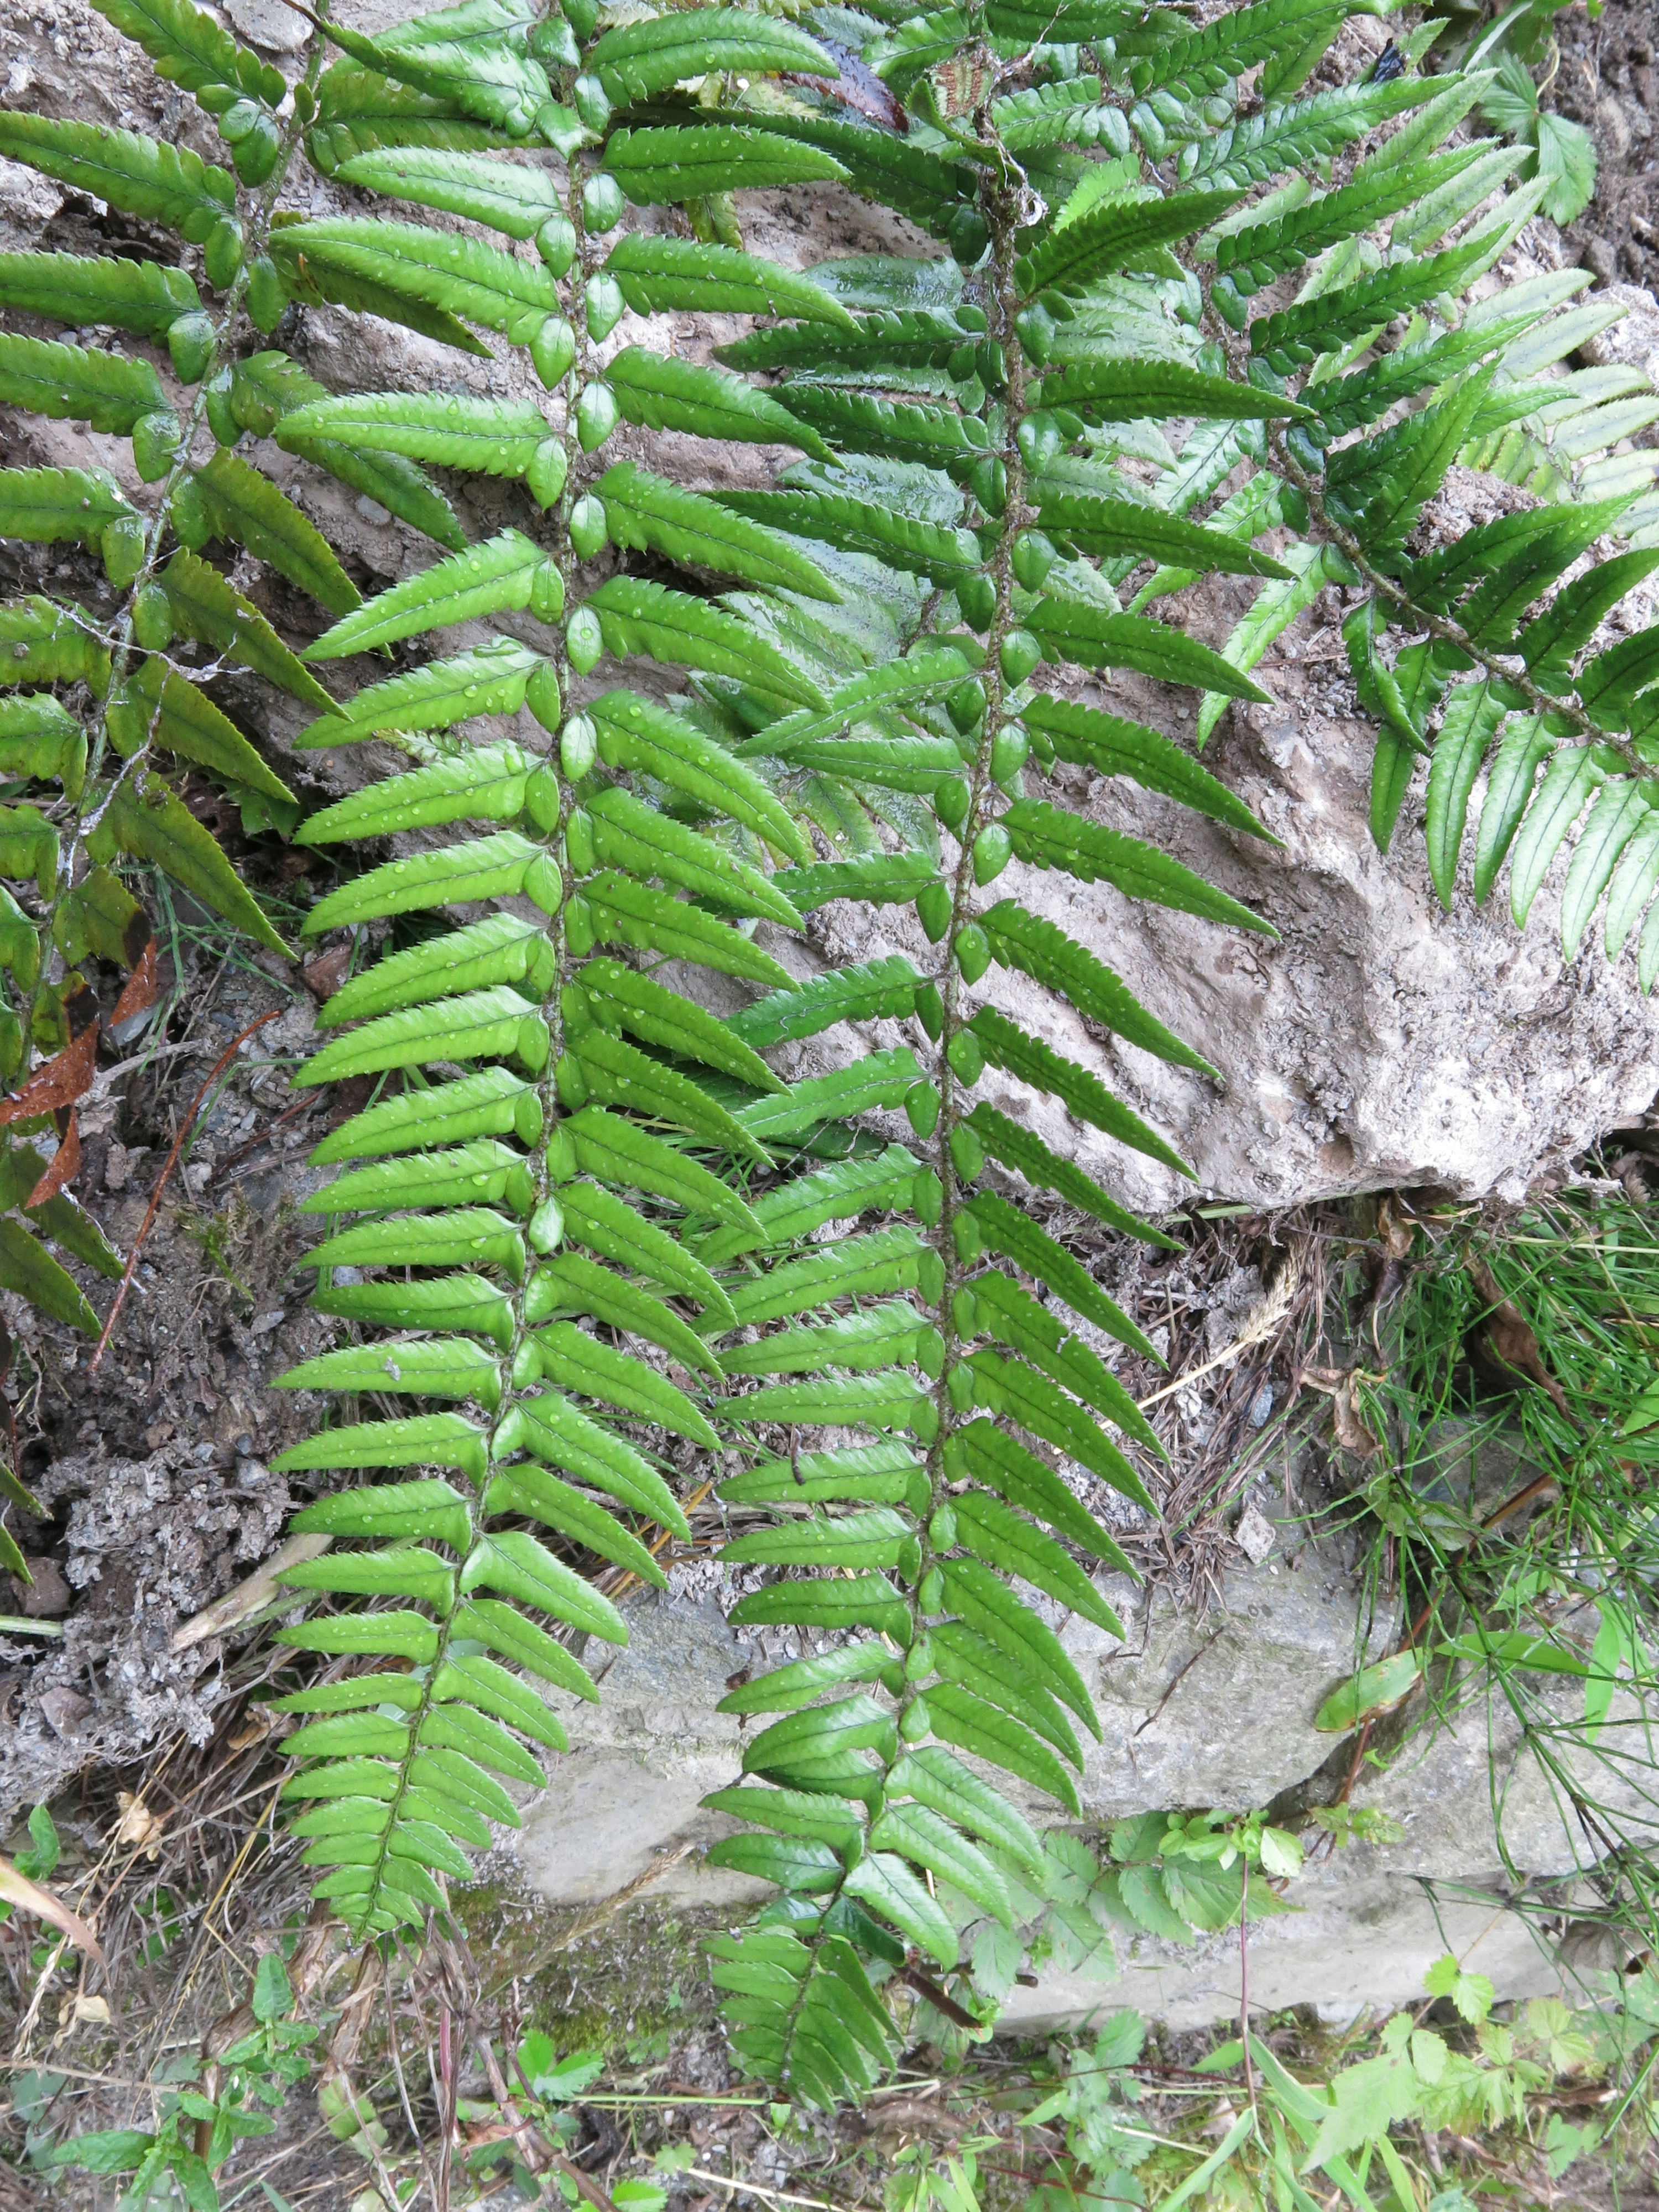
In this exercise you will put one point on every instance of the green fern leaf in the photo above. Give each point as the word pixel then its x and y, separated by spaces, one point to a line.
pixel 69 382
pixel 1620 813
pixel 26 1268
pixel 613 1073
pixel 158 183
pixel 1206 60
pixel 503 196
pixel 1472 719
pixel 1065 114
pixel 859 526
pixel 886 1262
pixel 887 343
pixel 488 785
pixel 44 507
pixel 1121 526
pixel 497 437
pixel 1026 1153
pixel 962 1657
pixel 146 821
pixel 873 990
pixel 490 679
pixel 1515 765
pixel 662 165
pixel 1042 951
pixel 639 60
pixel 616 994
pixel 484 580
pixel 642 735
pixel 1006 1046
pixel 462 275
pixel 629 836
pixel 478 1173
pixel 791 1211
pixel 552 1429
pixel 494 1103
pixel 190 47
pixel 1570 777
pixel 1009 1387
pixel 1633 885
pixel 1289 136
pixel 1116 390
pixel 1117 235
pixel 1045 836
pixel 626 912
pixel 493 1024
pixel 184 720
pixel 917 182
pixel 932 436
pixel 880 1336
pixel 1007 1230
pixel 660 393
pixel 1549 644
pixel 1113 747
pixel 542 1496
pixel 483 69
pixel 927 672
pixel 571 1285
pixel 1254 255
pixel 996 1737
pixel 445 1368
pixel 649 514
pixel 618 1151
pixel 658 624
pixel 880 1078
pixel 145 296
pixel 244 505
pixel 502 949
pixel 878 880
pixel 461 1236
pixel 576 1360
pixel 482 868
pixel 464 1303
pixel 208 607
pixel 660 275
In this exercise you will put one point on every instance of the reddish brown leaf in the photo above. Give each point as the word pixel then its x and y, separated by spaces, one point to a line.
pixel 138 994
pixel 1503 1340
pixel 64 1078
pixel 65 1167
pixel 46 1905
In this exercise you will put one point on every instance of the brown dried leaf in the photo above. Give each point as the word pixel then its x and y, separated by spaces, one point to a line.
pixel 1503 1338
pixel 1351 1431
pixel 46 1905
pixel 137 1825
pixel 64 1078
pixel 138 994
pixel 64 1167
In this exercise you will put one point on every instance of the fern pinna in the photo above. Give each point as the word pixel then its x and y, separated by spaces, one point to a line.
pixel 1000 418
pixel 98 693
pixel 536 1191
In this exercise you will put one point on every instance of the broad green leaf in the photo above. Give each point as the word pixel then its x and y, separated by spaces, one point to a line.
pixel 877 879
pixel 887 1336
pixel 209 607
pixel 639 60
pixel 881 1079
pixel 530 1490
pixel 425 1440
pixel 887 1885
pixel 520 1567
pixel 182 718
pixel 1044 952
pixel 653 166
pixel 849 1601
pixel 1002 1538
pixel 148 821
pixel 638 616
pixel 648 514
pixel 434 1368
pixel 791 1211
pixel 191 47
pixel 467 1235
pixel 598 1219
pixel 1372 1690
pixel 503 195
pixel 661 393
pixel 71 381
pixel 159 183
pixel 887 1262
pixel 1472 719
pixel 985 1732
pixel 493 1024
pixel 920 1835
pixel 644 736
pixel 503 948
pixel 1129 527
pixel 244 505
pixel 497 437
pixel 659 276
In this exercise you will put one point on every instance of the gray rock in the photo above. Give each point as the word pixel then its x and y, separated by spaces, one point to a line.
pixel 1633 340
pixel 640 1762
pixel 1218 1710
pixel 1359 1939
pixel 1488 1785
